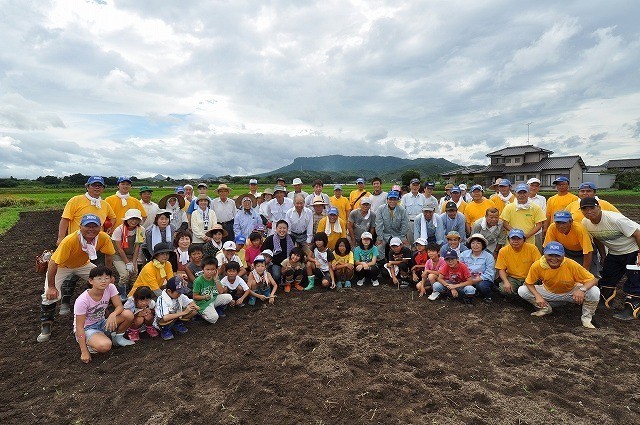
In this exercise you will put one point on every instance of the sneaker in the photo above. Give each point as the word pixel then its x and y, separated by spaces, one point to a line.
pixel 487 300
pixel 404 284
pixel 298 287
pixel 339 285
pixel 252 300
pixel 220 311
pixel 375 283
pixel 543 311
pixel 45 332
pixel 434 296
pixel 180 327
pixel 120 341
pixel 133 334
pixel 151 331
pixel 165 333
pixel 360 282
pixel 347 284
pixel 287 287
pixel 65 309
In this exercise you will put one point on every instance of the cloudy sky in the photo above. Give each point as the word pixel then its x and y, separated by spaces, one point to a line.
pixel 184 88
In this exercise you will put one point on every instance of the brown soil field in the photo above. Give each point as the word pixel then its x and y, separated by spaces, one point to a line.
pixel 360 356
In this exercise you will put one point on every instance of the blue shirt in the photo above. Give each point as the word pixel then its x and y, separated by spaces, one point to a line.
pixel 484 264
pixel 457 224
pixel 244 223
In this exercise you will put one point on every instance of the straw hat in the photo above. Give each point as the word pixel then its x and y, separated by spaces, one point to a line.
pixel 162 203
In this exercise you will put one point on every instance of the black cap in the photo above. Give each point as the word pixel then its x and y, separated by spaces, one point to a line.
pixel 588 202
pixel 451 206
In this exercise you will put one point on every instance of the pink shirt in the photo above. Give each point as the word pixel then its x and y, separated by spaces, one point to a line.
pixel 429 264
pixel 92 309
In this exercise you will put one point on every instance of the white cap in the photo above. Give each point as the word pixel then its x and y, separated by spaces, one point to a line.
pixel 366 235
pixel 395 242
pixel 132 213
pixel 229 246
pixel 462 186
pixel 533 180
pixel 253 181
pixel 267 252
pixel 421 241
pixel 297 181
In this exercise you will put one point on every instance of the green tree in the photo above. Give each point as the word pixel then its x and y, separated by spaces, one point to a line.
pixel 408 175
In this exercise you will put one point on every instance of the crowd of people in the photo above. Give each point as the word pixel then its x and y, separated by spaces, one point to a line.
pixel 153 267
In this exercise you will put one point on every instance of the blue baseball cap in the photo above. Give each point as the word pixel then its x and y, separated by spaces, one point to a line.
pixel 456 189
pixel 504 182
pixel 430 184
pixel 333 210
pixel 562 216
pixel 241 239
pixel 587 185
pixel 449 254
pixel 522 188
pixel 554 248
pixel 95 179
pixel 561 179
pixel 516 233
pixel 90 218
pixel 176 284
pixel 180 189
pixel 393 194
pixel 477 187
pixel 124 179
pixel 360 180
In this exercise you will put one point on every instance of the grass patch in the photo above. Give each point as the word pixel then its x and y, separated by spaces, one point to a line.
pixel 8 218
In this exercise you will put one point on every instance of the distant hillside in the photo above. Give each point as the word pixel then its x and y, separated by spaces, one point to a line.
pixel 386 167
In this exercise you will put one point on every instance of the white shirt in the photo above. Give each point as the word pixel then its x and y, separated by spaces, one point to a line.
pixel 238 282
pixel 277 211
pixel 300 222
pixel 614 231
pixel 151 209
pixel 309 201
pixel 377 200
pixel 413 203
pixel 225 211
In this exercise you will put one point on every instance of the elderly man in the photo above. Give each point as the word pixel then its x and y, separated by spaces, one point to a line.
pixel 378 196
pixel 560 200
pixel 297 189
pixel 503 195
pixel 453 220
pixel 247 218
pixel 277 207
pixel 317 191
pixel 587 190
pixel 514 261
pixel 563 280
pixel 523 214
pixel 122 201
pixel 621 237
pixel 391 221
pixel 456 198
pixel 72 258
pixel 413 203
pixel 355 197
pixel 319 211
pixel 225 209
pixel 300 221
pixel 334 227
pixel 574 238
pixel 490 226
pixel 428 225
pixel 149 206
pixel 361 220
pixel 477 207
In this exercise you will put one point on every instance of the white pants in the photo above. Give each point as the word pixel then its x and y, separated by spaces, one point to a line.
pixel 61 275
pixel 210 314
pixel 591 298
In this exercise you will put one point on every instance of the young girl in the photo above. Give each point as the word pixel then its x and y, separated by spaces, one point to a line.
pixel 142 305
pixel 94 332
pixel 293 269
pixel 182 242
pixel 261 282
pixel 127 240
pixel 365 258
pixel 319 264
pixel 157 271
pixel 420 258
pixel 214 242
pixel 431 269
pixel 254 248
pixel 343 263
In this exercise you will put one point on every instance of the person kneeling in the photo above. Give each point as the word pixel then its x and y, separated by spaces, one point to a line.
pixel 174 308
pixel 563 280
pixel 94 332
pixel 454 278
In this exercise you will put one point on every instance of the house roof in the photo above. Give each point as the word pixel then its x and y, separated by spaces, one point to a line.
pixel 518 150
pixel 555 163
pixel 462 170
pixel 622 163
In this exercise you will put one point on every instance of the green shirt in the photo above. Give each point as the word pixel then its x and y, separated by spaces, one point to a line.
pixel 205 287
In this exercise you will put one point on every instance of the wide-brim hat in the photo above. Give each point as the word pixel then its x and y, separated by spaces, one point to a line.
pixel 240 199
pixel 132 213
pixel 162 203
pixel 267 191
pixel 478 237
pixel 161 247
pixel 217 227
pixel 222 186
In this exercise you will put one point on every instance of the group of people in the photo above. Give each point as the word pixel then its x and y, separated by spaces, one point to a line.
pixel 190 256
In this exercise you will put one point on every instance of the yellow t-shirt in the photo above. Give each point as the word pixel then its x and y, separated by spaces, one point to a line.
pixel 334 236
pixel 340 259
pixel 517 264
pixel 560 280
pixel 355 194
pixel 79 205
pixel 70 255
pixel 522 219
pixel 150 276
pixel 241 255
pixel 558 203
pixel 461 207
pixel 343 205
pixel 475 210
pixel 500 204
pixel 578 239
pixel 119 210
pixel 576 212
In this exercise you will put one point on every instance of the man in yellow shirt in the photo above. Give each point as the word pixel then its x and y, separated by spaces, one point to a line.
pixel 523 214
pixel 503 195
pixel 334 226
pixel 574 238
pixel 477 207
pixel 122 201
pixel 340 202
pixel 72 257
pixel 514 261
pixel 587 190
pixel 560 200
pixel 355 197
pixel 563 280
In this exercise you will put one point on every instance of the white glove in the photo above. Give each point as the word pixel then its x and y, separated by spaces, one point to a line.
pixel 130 268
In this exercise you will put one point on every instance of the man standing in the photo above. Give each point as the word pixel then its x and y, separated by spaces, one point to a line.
pixel 456 198
pixel 391 221
pixel 317 191
pixel 149 206
pixel 560 200
pixel 72 258
pixel 523 214
pixel 122 201
pixel 453 220
pixel 574 238
pixel 503 196
pixel 429 187
pixel 253 187
pixel 378 197
pixel 202 190
pixel 413 203
pixel 300 221
pixel 297 189
pixel 277 207
pixel 587 190
pixel 446 198
pixel 466 196
pixel 319 211
pixel 361 220
pixel 355 197
pixel 428 225
pixel 621 237
pixel 340 202
pixel 477 207
pixel 247 217
pixel 188 195
pixel 541 201
pixel 225 210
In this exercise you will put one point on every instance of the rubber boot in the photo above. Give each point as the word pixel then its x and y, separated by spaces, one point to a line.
pixel 607 295
pixel 134 334
pixel 67 289
pixel 47 313
pixel 588 310
pixel 311 284
pixel 631 309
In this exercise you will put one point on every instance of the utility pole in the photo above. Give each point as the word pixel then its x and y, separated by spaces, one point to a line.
pixel 528 125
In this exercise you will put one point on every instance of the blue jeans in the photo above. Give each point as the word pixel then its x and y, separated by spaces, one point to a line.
pixel 466 290
pixel 484 287
pixel 276 272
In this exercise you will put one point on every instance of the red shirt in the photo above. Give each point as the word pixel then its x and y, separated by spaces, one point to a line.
pixel 420 259
pixel 455 275
pixel 250 254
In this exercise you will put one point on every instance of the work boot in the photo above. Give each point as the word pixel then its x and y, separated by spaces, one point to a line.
pixel 45 332
pixel 588 310
pixel 607 295
pixel 311 284
pixel 542 311
pixel 631 309
pixel 119 340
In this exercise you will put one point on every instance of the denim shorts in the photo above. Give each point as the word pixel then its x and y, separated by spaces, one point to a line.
pixel 97 327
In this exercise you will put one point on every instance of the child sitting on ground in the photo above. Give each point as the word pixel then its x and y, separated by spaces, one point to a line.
pixel 261 282
pixel 207 292
pixel 227 255
pixel 343 265
pixel 319 264
pixel 173 309
pixel 454 278
pixel 95 333
pixel 254 248
pixel 431 269
pixel 293 269
pixel 194 266
pixel 236 286
pixel 397 265
pixel 214 244
pixel 420 258
pixel 142 305
pixel 157 271
pixel 365 257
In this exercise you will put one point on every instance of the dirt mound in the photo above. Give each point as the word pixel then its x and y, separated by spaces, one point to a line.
pixel 372 355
